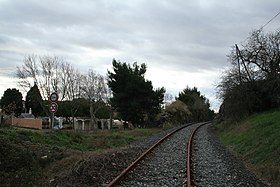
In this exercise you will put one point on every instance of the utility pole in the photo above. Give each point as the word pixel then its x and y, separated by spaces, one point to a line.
pixel 243 62
pixel 238 63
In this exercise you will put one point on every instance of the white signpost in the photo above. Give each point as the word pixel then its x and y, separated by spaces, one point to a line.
pixel 53 106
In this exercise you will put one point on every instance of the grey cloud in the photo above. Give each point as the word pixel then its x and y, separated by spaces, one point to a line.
pixel 9 59
pixel 193 35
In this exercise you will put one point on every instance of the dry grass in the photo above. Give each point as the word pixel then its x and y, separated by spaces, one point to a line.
pixel 36 157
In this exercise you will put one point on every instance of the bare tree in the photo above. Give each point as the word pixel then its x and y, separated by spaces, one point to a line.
pixel 53 74
pixel 263 52
pixel 49 73
pixel 168 99
pixel 95 89
pixel 253 81
pixel 28 73
pixel 73 80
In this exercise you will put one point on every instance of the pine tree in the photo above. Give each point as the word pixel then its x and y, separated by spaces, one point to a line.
pixel 133 96
pixel 34 101
pixel 11 102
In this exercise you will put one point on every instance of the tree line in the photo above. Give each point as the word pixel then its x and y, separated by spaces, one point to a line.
pixel 124 90
pixel 252 84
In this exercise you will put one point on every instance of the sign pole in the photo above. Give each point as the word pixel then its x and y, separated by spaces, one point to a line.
pixel 52 119
pixel 53 106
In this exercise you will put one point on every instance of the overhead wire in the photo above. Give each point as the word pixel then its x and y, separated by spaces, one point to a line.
pixel 261 28
pixel 270 20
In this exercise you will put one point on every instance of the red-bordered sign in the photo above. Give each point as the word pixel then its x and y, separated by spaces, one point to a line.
pixel 53 107
pixel 53 97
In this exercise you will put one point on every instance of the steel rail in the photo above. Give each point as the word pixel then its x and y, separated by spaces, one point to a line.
pixel 117 179
pixel 189 153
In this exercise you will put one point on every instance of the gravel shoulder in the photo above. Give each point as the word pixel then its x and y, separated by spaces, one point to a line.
pixel 214 165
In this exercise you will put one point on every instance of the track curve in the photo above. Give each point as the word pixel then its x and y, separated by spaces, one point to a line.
pixel 154 173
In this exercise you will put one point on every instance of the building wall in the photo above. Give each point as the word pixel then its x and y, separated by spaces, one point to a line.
pixel 82 124
pixel 24 122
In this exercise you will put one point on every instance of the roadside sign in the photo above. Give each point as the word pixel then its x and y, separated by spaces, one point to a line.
pixel 53 107
pixel 53 97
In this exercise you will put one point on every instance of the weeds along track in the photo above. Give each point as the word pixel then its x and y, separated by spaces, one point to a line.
pixel 164 164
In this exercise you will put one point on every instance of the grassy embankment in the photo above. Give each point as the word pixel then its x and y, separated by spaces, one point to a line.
pixel 82 141
pixel 28 157
pixel 257 141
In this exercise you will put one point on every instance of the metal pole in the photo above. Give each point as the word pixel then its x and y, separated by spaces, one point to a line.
pixel 52 120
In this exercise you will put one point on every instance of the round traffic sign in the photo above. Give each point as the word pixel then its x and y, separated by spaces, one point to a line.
pixel 53 97
pixel 53 107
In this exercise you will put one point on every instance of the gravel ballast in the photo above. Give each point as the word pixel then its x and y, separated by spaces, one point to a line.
pixel 213 165
pixel 165 166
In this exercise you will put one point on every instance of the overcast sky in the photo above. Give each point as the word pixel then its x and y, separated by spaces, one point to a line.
pixel 183 42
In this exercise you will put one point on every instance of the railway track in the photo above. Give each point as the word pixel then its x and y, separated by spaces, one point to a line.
pixel 156 167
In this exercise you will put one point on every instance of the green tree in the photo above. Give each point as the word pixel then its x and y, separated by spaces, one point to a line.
pixel 178 112
pixel 11 102
pixel 34 101
pixel 198 104
pixel 133 96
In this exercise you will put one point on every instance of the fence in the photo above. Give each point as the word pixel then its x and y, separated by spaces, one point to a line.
pixel 23 122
